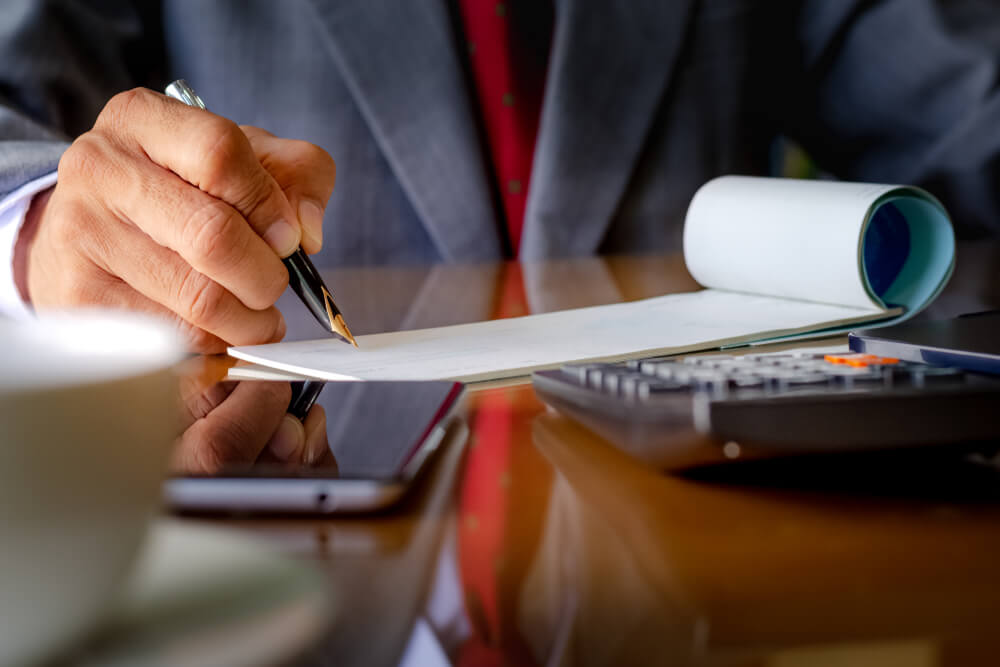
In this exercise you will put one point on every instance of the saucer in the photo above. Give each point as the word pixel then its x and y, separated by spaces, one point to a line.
pixel 205 596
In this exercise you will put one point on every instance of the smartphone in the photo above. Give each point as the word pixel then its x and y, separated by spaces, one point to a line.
pixel 970 342
pixel 381 436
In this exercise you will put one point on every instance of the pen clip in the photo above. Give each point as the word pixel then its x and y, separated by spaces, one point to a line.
pixel 180 90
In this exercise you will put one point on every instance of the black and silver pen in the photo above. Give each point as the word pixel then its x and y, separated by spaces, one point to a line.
pixel 303 277
pixel 304 395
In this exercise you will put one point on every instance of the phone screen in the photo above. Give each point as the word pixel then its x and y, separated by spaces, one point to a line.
pixel 373 429
pixel 977 333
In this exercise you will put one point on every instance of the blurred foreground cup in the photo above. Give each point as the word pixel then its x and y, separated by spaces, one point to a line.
pixel 87 418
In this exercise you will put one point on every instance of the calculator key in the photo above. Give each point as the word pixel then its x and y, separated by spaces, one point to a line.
pixel 843 358
pixel 628 385
pixel 859 360
pixel 877 361
pixel 812 364
pixel 706 374
pixel 746 381
pixel 677 374
pixel 663 369
pixel 648 367
pixel 595 377
pixel 609 381
pixel 709 360
pixel 653 388
pixel 577 372
pixel 614 381
pixel 774 359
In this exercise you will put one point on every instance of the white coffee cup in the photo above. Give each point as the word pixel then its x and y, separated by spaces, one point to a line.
pixel 88 412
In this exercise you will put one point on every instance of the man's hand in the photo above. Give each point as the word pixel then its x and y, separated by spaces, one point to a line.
pixel 236 424
pixel 174 211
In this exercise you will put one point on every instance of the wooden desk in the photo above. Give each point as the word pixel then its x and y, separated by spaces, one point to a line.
pixel 562 550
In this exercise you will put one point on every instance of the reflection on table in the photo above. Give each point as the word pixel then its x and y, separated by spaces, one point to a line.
pixel 539 543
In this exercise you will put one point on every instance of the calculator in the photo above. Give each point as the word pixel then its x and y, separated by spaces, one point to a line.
pixel 779 403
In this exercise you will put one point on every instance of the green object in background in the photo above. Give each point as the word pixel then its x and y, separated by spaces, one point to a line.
pixel 789 160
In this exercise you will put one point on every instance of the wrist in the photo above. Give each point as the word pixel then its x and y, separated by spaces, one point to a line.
pixel 25 239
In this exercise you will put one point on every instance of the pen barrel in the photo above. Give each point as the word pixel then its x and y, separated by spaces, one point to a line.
pixel 304 395
pixel 306 282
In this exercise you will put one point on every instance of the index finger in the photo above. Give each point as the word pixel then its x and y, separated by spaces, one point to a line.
pixel 306 174
pixel 209 152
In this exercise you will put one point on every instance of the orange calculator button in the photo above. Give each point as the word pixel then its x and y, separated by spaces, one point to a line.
pixel 860 360
pixel 847 358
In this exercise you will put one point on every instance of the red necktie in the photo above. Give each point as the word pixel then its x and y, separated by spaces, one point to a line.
pixel 508 69
pixel 505 483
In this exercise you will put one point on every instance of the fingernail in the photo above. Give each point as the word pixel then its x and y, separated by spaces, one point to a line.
pixel 282 329
pixel 316 444
pixel 311 217
pixel 282 237
pixel 289 439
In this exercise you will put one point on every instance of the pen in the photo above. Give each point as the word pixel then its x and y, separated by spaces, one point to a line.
pixel 303 277
pixel 304 395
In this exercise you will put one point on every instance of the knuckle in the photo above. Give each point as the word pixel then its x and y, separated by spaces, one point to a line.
pixel 274 286
pixel 199 340
pixel 325 159
pixel 250 193
pixel 120 108
pixel 202 298
pixel 316 159
pixel 211 234
pixel 228 440
pixel 70 226
pixel 83 158
pixel 222 144
pixel 85 287
pixel 325 163
pixel 308 151
pixel 218 447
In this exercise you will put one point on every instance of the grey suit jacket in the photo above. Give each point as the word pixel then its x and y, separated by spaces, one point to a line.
pixel 645 100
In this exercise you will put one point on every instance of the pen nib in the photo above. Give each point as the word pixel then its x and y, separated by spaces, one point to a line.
pixel 337 324
pixel 341 328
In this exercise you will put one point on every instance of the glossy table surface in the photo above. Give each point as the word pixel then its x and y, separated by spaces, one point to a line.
pixel 538 543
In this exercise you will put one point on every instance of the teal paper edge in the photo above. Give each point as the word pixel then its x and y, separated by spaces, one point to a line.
pixel 926 272
pixel 931 261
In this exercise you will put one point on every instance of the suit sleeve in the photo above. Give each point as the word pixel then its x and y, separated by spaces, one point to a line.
pixel 60 61
pixel 904 91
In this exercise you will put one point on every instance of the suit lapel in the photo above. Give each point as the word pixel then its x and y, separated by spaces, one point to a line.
pixel 608 69
pixel 401 63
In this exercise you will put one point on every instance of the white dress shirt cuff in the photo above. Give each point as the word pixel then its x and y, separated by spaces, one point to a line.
pixel 13 209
